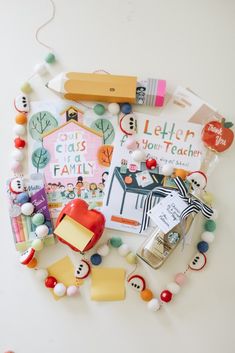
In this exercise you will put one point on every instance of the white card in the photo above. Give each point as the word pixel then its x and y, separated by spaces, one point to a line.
pixel 166 214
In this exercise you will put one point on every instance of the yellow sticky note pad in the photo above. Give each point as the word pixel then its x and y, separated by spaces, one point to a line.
pixel 63 271
pixel 74 233
pixel 108 284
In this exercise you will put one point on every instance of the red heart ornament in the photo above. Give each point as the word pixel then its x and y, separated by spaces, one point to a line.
pixel 90 219
pixel 216 136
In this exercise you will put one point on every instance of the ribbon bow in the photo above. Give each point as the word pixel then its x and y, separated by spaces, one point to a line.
pixel 194 205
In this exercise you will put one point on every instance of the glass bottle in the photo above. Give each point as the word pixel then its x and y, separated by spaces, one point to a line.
pixel 159 246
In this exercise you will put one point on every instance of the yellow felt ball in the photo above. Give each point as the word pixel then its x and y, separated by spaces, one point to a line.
pixel 26 88
pixel 208 198
pixel 37 244
pixel 146 295
pixel 33 263
pixel 131 258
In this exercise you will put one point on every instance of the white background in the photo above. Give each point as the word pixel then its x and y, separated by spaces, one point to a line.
pixel 186 42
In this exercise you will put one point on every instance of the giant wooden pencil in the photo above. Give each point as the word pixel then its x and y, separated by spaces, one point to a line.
pixel 108 88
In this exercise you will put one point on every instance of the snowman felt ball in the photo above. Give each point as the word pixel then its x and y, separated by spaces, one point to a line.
pixel 198 181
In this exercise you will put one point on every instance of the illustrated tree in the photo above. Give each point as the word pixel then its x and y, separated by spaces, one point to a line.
pixel 106 128
pixel 40 158
pixel 39 124
pixel 105 153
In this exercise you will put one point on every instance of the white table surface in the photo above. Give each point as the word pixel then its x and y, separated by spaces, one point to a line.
pixel 187 42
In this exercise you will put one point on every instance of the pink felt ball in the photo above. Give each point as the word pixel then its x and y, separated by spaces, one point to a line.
pixel 16 167
pixel 180 278
pixel 131 144
pixel 71 291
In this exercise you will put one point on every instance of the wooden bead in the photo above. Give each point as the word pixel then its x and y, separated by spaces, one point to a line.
pixel 26 88
pixel 33 263
pixel 154 305
pixel 99 109
pixel 50 282
pixel 166 296
pixel 151 163
pixel 131 258
pixel 27 209
pixel 167 170
pixel 173 287
pixel 146 295
pixel 42 231
pixel 180 278
pixel 137 283
pixel 114 108
pixel 21 103
pixel 19 143
pixel 21 119
pixel 59 289
pixel 18 155
pixel 37 244
pixel 181 173
pixel 123 250
pixel 19 130
pixel 208 237
pixel 50 58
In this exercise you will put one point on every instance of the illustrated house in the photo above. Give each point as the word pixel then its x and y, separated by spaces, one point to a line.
pixel 72 113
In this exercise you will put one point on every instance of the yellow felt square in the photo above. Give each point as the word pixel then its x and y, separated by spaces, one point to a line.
pixel 74 233
pixel 108 284
pixel 63 270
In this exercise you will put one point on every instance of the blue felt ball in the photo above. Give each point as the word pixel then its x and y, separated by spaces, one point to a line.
pixel 202 246
pixel 126 108
pixel 96 259
pixel 22 198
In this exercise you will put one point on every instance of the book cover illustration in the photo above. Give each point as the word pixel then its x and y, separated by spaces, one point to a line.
pixel 174 142
pixel 77 167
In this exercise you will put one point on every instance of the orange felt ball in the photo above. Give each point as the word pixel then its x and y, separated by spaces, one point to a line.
pixel 146 295
pixel 33 263
pixel 21 119
pixel 181 173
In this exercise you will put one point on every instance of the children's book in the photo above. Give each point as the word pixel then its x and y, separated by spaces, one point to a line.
pixel 78 170
pixel 76 167
pixel 169 141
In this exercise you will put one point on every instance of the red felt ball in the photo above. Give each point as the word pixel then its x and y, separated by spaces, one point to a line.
pixel 151 163
pixel 166 296
pixel 19 143
pixel 50 282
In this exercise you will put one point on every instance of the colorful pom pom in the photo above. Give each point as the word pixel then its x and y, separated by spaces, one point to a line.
pixel 203 246
pixel 210 225
pixel 146 295
pixel 96 259
pixel 116 242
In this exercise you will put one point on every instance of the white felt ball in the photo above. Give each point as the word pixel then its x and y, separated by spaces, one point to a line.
pixel 42 231
pixel 71 291
pixel 114 108
pixel 19 130
pixel 18 155
pixel 208 237
pixel 139 156
pixel 40 69
pixel 154 304
pixel 173 287
pixel 41 274
pixel 27 208
pixel 103 250
pixel 16 167
pixel 167 170
pixel 37 244
pixel 59 289
pixel 215 215
pixel 123 250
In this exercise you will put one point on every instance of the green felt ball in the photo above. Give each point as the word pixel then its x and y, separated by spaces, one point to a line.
pixel 116 242
pixel 38 219
pixel 99 109
pixel 26 88
pixel 50 58
pixel 210 225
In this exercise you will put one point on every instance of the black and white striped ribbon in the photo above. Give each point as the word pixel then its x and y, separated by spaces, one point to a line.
pixel 194 205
